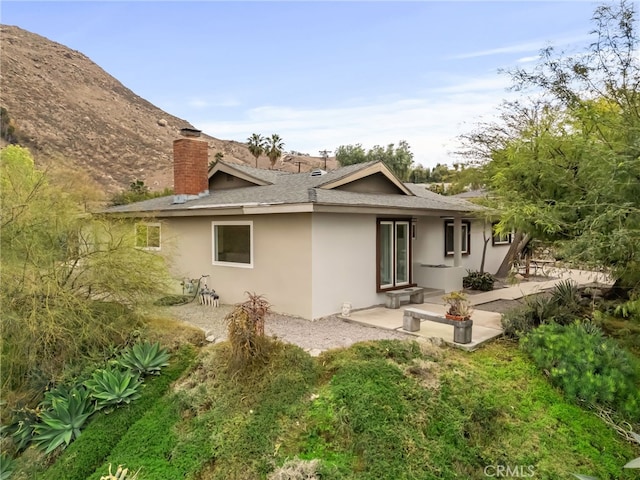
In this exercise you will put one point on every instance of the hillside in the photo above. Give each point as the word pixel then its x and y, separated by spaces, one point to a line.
pixel 65 108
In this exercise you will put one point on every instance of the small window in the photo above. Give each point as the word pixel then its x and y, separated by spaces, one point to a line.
pixel 500 238
pixel 148 236
pixel 233 244
pixel 448 238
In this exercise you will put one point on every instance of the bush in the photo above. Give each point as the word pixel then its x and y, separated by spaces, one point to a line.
pixel 478 281
pixel 246 330
pixel 587 366
pixel 562 306
pixel 536 310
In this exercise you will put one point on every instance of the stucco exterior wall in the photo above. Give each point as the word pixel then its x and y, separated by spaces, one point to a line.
pixel 344 262
pixel 281 259
pixel 429 246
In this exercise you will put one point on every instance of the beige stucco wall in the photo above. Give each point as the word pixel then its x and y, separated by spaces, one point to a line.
pixel 429 246
pixel 281 263
pixel 344 262
pixel 308 264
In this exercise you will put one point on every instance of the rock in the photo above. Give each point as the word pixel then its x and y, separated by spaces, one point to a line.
pixel 314 352
pixel 162 122
pixel 211 339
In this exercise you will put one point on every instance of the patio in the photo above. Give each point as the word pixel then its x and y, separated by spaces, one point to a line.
pixel 486 325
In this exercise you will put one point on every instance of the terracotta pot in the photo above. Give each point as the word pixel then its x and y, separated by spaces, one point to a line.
pixel 458 318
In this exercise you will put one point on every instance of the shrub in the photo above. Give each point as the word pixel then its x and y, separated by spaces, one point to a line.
pixel 586 365
pixel 171 300
pixel 478 281
pixel 246 329
pixel 62 424
pixel 145 358
pixel 113 387
pixel 536 310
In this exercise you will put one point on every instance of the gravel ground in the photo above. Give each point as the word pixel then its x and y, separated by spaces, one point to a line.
pixel 313 336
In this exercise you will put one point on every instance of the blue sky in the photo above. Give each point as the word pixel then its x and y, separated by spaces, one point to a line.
pixel 320 74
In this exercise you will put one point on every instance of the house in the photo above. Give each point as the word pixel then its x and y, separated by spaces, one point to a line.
pixel 309 242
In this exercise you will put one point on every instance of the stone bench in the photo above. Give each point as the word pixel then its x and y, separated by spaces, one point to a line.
pixel 415 294
pixel 461 329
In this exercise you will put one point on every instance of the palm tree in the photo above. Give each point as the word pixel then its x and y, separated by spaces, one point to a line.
pixel 273 148
pixel 257 145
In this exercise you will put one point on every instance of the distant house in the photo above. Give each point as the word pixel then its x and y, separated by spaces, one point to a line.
pixel 308 241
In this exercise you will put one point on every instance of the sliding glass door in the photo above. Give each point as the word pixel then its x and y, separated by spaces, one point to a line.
pixel 394 247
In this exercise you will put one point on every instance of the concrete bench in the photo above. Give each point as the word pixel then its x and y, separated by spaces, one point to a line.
pixel 461 329
pixel 415 294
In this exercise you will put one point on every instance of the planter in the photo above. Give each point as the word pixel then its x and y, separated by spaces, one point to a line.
pixel 458 318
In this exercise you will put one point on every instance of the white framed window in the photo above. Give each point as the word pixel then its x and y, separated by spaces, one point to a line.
pixel 233 243
pixel 500 238
pixel 394 249
pixel 148 236
pixel 448 238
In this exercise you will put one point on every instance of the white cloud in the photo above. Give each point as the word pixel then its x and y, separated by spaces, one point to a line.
pixel 430 124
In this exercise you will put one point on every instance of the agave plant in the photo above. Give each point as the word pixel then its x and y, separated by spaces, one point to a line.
pixel 21 427
pixel 113 387
pixel 145 358
pixel 7 465
pixel 63 422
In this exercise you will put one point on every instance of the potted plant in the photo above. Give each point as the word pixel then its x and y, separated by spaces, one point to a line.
pixel 459 306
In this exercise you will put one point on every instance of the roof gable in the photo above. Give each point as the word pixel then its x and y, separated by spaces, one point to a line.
pixel 247 175
pixel 372 177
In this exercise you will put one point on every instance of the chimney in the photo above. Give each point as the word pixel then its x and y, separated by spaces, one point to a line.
pixel 190 166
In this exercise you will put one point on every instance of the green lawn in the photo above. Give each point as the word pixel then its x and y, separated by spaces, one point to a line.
pixel 376 410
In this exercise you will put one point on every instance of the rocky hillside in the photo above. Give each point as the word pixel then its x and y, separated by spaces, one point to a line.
pixel 65 108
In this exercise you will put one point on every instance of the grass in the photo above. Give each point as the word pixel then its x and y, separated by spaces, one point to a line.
pixel 376 410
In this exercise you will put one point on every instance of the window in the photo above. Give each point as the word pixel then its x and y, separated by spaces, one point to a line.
pixel 394 252
pixel 233 243
pixel 500 238
pixel 448 238
pixel 148 236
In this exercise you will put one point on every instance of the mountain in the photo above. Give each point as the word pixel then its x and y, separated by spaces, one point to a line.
pixel 67 109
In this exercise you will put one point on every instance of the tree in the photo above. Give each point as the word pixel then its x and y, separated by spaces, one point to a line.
pixel 419 174
pixel 565 168
pixel 273 148
pixel 350 154
pixel 399 160
pixel 69 281
pixel 137 192
pixel 257 145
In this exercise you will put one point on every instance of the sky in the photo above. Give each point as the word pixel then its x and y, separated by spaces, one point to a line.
pixel 319 74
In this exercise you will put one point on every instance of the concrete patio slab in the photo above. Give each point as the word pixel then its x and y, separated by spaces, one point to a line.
pixel 486 325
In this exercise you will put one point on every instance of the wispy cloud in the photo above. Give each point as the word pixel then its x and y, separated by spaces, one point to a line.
pixel 430 123
pixel 524 47
pixel 203 103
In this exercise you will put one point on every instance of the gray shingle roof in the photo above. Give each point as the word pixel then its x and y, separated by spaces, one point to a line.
pixel 299 188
